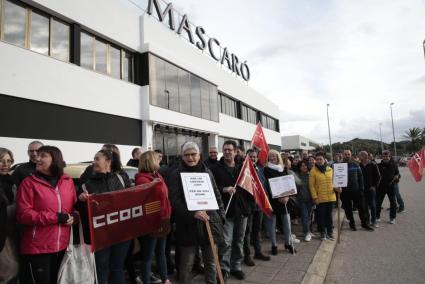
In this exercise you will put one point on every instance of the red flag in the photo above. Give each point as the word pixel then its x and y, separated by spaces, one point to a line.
pixel 259 142
pixel 422 155
pixel 123 215
pixel 416 167
pixel 248 180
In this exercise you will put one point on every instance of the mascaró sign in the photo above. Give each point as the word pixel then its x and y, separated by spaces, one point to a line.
pixel 202 41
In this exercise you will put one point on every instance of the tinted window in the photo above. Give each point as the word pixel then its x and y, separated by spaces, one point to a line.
pixel 60 41
pixel 14 21
pixel 184 91
pixel 87 52
pixel 39 33
pixel 205 100
pixel 213 102
pixel 195 95
pixel 115 55
pixel 172 86
pixel 101 52
pixel 128 67
pixel 157 82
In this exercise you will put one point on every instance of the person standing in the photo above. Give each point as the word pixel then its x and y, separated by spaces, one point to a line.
pixel 371 177
pixel 275 168
pixel 353 193
pixel 254 223
pixel 190 225
pixel 226 173
pixel 135 156
pixel 154 243
pixel 212 157
pixel 45 207
pixel 304 200
pixel 26 169
pixel 105 178
pixel 323 195
pixel 389 176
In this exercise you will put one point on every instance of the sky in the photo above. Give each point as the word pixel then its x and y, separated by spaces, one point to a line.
pixel 356 56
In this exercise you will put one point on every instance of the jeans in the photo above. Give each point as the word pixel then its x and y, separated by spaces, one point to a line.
pixel 356 197
pixel 306 208
pixel 370 198
pixel 271 228
pixel 400 200
pixel 324 217
pixel 187 257
pixel 153 245
pixel 111 260
pixel 252 233
pixel 231 250
pixel 380 196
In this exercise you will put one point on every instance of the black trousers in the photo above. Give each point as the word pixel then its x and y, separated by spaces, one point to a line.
pixel 380 196
pixel 43 268
pixel 357 198
pixel 324 217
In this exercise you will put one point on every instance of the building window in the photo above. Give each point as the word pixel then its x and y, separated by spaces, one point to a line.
pixel 228 106
pixel 269 122
pixel 106 58
pixel 30 29
pixel 248 114
pixel 176 89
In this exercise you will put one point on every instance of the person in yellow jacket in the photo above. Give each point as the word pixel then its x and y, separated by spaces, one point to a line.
pixel 323 195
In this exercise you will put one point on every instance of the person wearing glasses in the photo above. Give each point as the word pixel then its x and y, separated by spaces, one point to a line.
pixel 390 176
pixel 26 169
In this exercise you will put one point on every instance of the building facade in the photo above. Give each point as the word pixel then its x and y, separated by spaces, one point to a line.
pixel 298 143
pixel 78 74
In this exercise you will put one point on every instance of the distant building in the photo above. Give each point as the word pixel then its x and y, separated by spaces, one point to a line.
pixel 298 143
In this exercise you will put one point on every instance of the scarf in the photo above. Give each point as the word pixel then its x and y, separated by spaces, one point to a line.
pixel 322 168
pixel 272 166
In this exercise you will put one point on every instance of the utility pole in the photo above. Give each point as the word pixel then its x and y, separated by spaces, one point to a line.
pixel 392 122
pixel 329 131
pixel 380 135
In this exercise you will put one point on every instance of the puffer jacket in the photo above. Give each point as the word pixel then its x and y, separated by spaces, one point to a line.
pixel 37 206
pixel 189 230
pixel 355 178
pixel 321 185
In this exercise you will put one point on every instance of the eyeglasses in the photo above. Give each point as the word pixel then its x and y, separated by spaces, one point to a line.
pixel 190 154
pixel 6 162
pixel 33 151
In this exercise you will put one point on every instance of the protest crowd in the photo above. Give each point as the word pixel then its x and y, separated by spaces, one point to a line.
pixel 39 204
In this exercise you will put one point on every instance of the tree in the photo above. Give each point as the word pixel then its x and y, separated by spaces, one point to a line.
pixel 415 135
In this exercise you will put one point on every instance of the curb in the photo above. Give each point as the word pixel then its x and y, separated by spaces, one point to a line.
pixel 316 273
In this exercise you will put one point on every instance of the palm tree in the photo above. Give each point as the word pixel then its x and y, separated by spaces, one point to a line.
pixel 415 135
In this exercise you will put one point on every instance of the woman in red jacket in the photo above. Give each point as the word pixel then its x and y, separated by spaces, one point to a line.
pixel 148 173
pixel 45 206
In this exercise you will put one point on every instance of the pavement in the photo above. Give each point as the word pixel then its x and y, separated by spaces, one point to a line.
pixel 391 254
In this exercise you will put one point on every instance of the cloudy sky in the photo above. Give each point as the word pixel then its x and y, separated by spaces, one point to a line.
pixel 358 56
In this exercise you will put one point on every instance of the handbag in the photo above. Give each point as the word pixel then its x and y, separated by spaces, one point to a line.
pixel 8 261
pixel 78 264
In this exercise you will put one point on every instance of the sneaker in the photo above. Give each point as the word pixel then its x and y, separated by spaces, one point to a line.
pixel 330 237
pixel 261 256
pixel 307 237
pixel 323 236
pixel 155 280
pixel 375 225
pixel 367 228
pixel 225 275
pixel 392 221
pixel 378 220
pixel 274 250
pixel 138 280
pixel 295 241
pixel 238 274
pixel 400 210
pixel 248 261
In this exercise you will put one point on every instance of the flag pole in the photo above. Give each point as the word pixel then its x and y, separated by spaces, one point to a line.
pixel 291 241
pixel 214 252
pixel 237 180
pixel 339 216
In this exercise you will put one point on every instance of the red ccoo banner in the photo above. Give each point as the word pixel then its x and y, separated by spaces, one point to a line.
pixel 119 216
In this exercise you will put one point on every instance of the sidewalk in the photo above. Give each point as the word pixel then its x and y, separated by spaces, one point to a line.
pixel 286 268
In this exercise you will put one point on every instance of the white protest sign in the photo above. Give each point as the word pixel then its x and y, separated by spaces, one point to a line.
pixel 283 186
pixel 198 191
pixel 340 178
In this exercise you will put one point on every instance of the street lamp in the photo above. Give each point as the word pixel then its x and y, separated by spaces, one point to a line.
pixel 380 135
pixel 329 130
pixel 392 123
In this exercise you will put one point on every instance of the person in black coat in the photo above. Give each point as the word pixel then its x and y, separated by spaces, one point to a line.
pixel 23 170
pixel 135 156
pixel 190 229
pixel 226 173
pixel 390 175
pixel 105 178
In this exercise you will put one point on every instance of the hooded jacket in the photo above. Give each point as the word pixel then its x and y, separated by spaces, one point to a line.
pixel 37 206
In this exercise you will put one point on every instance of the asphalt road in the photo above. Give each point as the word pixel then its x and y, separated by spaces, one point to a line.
pixel 391 254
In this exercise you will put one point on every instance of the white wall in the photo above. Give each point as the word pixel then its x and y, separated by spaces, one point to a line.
pixel 73 152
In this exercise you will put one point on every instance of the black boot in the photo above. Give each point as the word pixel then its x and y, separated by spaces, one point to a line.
pixel 291 249
pixel 274 250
